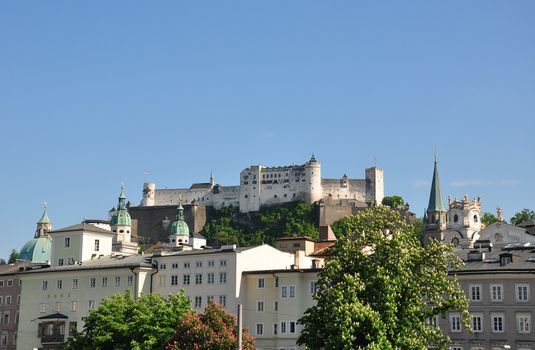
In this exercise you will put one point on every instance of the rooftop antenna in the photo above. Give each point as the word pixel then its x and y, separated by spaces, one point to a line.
pixel 146 175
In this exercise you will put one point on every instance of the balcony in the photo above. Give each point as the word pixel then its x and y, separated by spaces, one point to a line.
pixel 53 338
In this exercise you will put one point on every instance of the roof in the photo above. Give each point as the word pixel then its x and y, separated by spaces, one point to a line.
pixel 82 227
pixel 270 272
pixel 223 249
pixel 105 262
pixel 295 238
pixel 37 250
pixel 53 316
pixel 523 261
pixel 435 197
pixel 201 185
pixel 198 235
pixel 44 218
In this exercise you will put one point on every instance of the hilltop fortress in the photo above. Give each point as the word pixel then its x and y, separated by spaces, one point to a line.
pixel 263 186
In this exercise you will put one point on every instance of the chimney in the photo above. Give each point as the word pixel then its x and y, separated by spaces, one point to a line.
pixel 298 255
pixel 326 233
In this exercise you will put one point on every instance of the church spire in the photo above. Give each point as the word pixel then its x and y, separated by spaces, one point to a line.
pixel 44 225
pixel 435 197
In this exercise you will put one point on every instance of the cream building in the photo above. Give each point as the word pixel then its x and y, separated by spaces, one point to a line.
pixel 273 303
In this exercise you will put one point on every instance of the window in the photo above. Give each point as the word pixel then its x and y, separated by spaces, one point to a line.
pixel 73 306
pixel 91 304
pixel 117 281
pixel 59 284
pixel 198 302
pixel 283 327
pixel 259 329
pixel 223 300
pixel 209 299
pixel 211 263
pixel 210 278
pixel 60 261
pixel 292 327
pixel 67 242
pixel 222 263
pixel 276 282
pixel 455 322
pixel 58 307
pixel 97 245
pixel 163 266
pixel 260 305
pixel 275 305
pixel 523 322
pixel 161 280
pixel 313 287
pixel 130 280
pixel 522 292
pixel 42 308
pixel 477 323
pixel 75 283
pixel 260 283
pixel 456 348
pixel 44 285
pixel 198 278
pixel 9 283
pixel 284 292
pixel 18 299
pixel 497 320
pixel 3 340
pixel 496 292
pixel 185 279
pixel 222 277
pixel 475 292
pixel 72 327
pixel 104 281
pixel 198 264
pixel 174 266
pixel 1 300
pixel 92 282
pixel 275 328
pixel 292 291
pixel 174 280
pixel 186 265
pixel 1 283
pixel 8 299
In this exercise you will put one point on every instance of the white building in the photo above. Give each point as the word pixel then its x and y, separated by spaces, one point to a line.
pixel 214 274
pixel 260 186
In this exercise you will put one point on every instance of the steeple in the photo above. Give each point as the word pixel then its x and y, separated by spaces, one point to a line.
pixel 435 197
pixel 44 225
pixel 179 229
pixel 121 217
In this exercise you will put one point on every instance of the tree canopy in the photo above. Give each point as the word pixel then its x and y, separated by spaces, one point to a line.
pixel 228 226
pixel 488 218
pixel 393 201
pixel 380 288
pixel 122 322
pixel 214 329
pixel 13 256
pixel 523 216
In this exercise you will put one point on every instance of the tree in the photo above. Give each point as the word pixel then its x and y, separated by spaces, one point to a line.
pixel 13 256
pixel 122 322
pixel 523 216
pixel 213 329
pixel 393 201
pixel 380 288
pixel 488 218
pixel 2 261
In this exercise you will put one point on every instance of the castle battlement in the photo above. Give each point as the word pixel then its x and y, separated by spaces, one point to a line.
pixel 262 186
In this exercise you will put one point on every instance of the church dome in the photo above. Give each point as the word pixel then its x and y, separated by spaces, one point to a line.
pixel 180 227
pixel 121 216
pixel 37 250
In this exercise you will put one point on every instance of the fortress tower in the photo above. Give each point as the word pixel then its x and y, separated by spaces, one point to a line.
pixel 374 185
pixel 313 190
pixel 149 191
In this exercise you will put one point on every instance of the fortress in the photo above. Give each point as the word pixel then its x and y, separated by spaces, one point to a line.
pixel 263 186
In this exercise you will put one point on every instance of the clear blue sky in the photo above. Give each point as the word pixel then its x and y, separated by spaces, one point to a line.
pixel 94 93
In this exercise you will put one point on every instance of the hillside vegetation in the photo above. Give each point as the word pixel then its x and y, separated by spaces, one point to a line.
pixel 228 226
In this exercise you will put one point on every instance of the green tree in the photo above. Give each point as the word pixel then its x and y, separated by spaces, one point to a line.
pixel 2 261
pixel 213 329
pixel 13 256
pixel 122 322
pixel 522 216
pixel 381 287
pixel 393 201
pixel 488 218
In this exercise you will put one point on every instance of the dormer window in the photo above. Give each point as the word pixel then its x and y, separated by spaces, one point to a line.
pixel 505 259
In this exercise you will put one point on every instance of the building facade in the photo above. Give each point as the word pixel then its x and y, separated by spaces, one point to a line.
pixel 261 186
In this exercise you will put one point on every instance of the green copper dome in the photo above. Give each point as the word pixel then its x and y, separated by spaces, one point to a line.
pixel 37 250
pixel 121 216
pixel 180 227
pixel 44 218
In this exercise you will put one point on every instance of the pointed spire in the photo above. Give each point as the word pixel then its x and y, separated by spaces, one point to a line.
pixel 122 199
pixel 44 218
pixel 180 213
pixel 435 198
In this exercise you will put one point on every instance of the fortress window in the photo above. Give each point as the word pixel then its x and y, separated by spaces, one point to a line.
pixel 246 196
pixel 275 196
pixel 285 195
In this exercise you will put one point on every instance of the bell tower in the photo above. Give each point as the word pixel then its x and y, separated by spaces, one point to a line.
pixel 435 214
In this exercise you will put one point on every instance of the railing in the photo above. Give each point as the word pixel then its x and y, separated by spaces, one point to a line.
pixel 54 338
